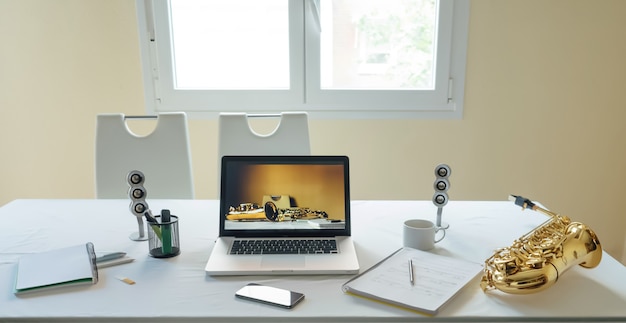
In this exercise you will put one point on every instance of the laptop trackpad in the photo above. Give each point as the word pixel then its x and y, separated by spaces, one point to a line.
pixel 283 261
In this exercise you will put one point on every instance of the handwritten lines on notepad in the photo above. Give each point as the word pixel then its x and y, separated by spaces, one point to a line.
pixel 436 279
pixel 428 279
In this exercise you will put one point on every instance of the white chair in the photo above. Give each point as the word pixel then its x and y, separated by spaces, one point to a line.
pixel 164 156
pixel 236 137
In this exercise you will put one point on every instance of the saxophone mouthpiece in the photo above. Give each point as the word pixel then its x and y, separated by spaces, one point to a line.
pixel 522 201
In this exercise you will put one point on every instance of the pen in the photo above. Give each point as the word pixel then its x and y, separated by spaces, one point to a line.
pixel 153 223
pixel 149 217
pixel 411 271
pixel 110 256
pixel 166 232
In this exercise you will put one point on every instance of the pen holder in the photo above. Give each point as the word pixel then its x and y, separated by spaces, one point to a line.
pixel 163 238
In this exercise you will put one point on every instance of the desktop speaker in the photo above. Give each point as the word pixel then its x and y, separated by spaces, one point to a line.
pixel 441 185
pixel 138 205
pixel 137 193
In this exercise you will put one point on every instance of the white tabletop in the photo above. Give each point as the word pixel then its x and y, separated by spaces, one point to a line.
pixel 177 289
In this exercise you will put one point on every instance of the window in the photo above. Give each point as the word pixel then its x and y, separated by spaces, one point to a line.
pixel 332 58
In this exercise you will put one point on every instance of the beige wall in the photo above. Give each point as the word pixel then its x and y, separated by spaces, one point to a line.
pixel 544 110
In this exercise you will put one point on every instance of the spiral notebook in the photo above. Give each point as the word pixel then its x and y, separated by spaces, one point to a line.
pixel 71 266
pixel 424 284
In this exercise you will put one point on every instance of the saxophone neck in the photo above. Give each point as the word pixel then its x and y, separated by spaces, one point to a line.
pixel 528 204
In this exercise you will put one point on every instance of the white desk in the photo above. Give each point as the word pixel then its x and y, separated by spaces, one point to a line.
pixel 177 289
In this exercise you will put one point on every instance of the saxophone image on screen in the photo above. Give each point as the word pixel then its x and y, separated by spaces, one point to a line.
pixel 270 212
pixel 536 260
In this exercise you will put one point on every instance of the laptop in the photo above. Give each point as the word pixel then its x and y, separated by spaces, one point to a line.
pixel 284 215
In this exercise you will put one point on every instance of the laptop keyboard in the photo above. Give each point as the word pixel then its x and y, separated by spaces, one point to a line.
pixel 283 246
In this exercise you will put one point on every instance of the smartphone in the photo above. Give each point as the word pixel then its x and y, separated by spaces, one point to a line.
pixel 270 295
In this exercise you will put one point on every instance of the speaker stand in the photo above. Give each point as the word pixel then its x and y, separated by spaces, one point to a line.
pixel 141 234
pixel 443 225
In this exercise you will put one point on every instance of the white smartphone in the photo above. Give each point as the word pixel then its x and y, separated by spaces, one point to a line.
pixel 270 295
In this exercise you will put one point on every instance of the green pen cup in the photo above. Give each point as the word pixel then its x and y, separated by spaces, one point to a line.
pixel 163 238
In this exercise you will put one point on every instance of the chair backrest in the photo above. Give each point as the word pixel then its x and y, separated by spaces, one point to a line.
pixel 291 136
pixel 164 156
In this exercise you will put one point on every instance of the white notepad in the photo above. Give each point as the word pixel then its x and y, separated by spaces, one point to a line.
pixel 64 267
pixel 436 280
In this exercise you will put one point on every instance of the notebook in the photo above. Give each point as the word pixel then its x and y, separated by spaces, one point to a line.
pixel 70 266
pixel 272 208
pixel 414 279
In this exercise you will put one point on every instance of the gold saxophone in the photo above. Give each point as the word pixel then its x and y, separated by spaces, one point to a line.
pixel 270 212
pixel 536 260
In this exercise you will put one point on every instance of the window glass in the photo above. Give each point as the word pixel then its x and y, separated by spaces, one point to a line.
pixel 373 44
pixel 234 44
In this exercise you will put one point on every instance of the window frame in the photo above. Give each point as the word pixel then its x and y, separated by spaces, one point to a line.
pixel 305 94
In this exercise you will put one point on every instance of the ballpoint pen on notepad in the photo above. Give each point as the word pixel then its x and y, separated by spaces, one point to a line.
pixel 411 279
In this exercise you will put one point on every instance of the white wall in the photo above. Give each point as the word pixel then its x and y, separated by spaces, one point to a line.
pixel 544 110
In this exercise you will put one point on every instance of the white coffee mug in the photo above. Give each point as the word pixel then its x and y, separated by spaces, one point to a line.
pixel 420 234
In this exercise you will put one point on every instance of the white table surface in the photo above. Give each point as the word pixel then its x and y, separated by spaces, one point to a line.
pixel 177 289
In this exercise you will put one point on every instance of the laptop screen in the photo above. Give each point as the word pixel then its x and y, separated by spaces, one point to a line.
pixel 270 196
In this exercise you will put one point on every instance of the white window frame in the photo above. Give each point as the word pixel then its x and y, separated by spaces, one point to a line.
pixel 304 94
